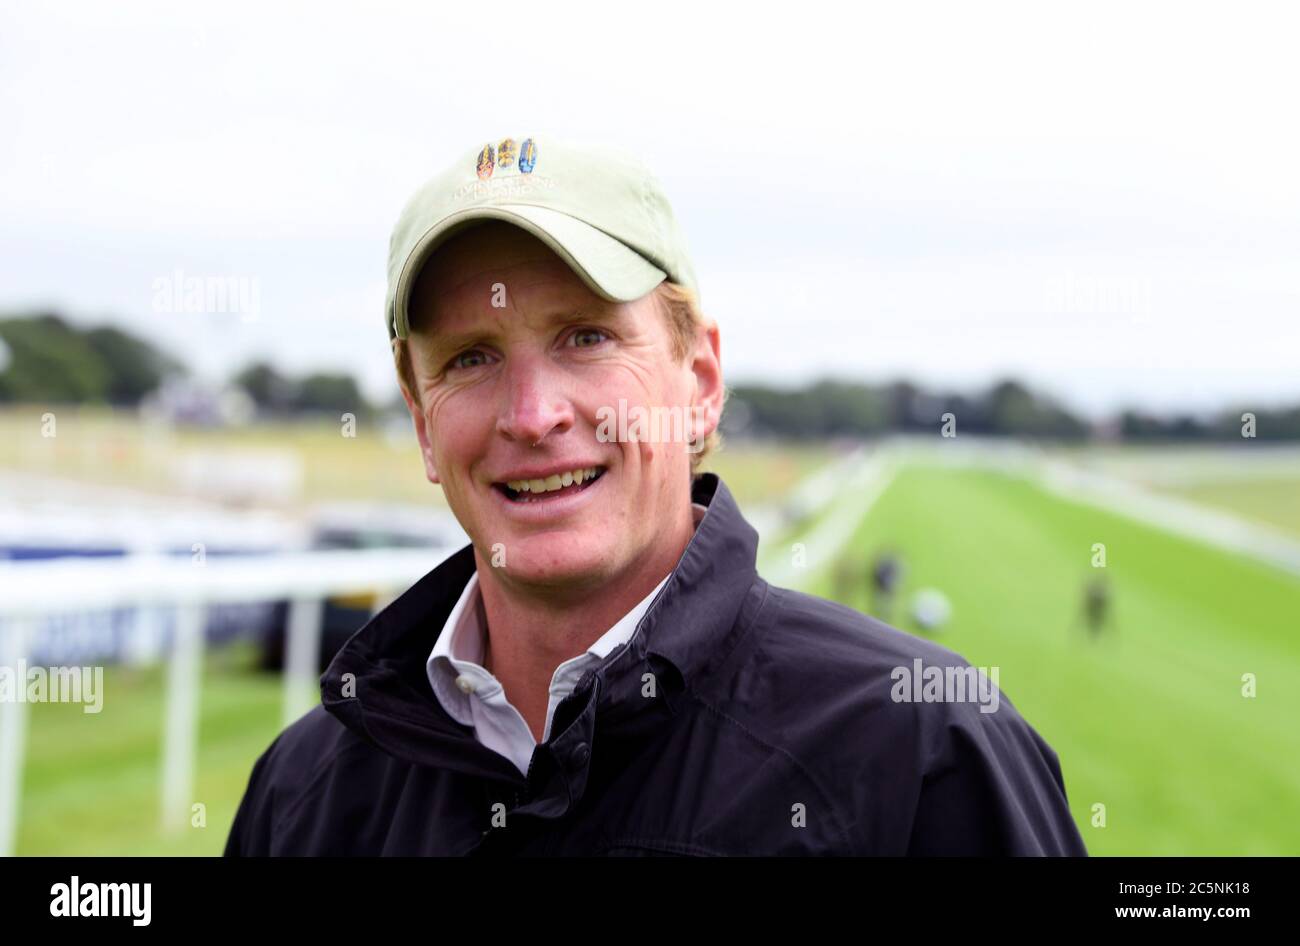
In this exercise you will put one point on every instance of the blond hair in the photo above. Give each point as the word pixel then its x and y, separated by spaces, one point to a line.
pixel 681 309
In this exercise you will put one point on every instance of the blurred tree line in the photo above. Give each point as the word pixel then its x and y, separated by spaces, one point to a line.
pixel 321 392
pixel 1007 408
pixel 849 409
pixel 45 359
pixel 1277 424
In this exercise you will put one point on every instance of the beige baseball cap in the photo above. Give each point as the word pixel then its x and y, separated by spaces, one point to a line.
pixel 599 209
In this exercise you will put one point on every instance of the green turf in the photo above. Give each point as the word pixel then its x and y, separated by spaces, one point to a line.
pixel 1149 720
pixel 92 781
pixel 1270 501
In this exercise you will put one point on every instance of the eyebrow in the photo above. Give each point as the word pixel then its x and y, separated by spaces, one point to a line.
pixel 443 342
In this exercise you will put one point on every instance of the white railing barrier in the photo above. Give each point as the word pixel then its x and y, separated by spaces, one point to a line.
pixel 30 591
pixel 13 735
pixel 302 657
pixel 184 679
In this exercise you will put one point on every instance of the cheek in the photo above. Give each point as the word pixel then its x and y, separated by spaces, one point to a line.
pixel 657 391
pixel 650 383
pixel 459 430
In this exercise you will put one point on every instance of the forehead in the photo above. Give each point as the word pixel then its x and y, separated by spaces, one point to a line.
pixel 462 276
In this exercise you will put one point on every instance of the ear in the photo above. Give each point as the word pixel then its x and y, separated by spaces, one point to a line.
pixel 706 365
pixel 417 415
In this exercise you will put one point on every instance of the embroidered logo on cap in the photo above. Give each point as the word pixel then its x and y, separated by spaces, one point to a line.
pixel 527 156
pixel 506 185
pixel 485 163
pixel 506 153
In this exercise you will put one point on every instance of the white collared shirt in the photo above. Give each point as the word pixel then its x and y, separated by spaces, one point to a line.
pixel 474 697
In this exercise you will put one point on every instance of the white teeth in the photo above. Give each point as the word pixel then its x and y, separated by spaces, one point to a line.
pixel 554 481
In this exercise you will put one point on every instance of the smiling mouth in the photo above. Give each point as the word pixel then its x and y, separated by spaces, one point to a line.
pixel 554 486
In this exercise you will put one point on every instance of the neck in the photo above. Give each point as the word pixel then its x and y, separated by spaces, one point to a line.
pixel 534 629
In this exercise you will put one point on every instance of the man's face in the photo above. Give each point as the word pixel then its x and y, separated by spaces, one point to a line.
pixel 511 349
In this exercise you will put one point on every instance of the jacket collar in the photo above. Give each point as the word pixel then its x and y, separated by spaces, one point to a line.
pixel 378 687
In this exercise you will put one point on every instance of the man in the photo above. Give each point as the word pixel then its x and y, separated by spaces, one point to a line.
pixel 1096 605
pixel 601 670
pixel 886 575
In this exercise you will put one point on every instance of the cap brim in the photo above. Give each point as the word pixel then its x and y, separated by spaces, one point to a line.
pixel 611 269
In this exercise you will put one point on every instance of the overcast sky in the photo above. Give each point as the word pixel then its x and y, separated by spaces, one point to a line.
pixel 1102 199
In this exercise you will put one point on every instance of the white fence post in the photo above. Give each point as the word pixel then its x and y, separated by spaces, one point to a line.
pixel 302 656
pixel 184 678
pixel 13 732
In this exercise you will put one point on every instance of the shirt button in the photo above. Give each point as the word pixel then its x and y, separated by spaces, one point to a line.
pixel 581 753
pixel 465 684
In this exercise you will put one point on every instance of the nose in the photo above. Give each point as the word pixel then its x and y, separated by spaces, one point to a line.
pixel 536 403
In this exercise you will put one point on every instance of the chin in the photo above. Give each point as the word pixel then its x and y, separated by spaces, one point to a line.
pixel 553 556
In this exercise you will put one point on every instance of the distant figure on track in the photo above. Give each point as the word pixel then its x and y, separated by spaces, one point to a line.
pixel 1096 604
pixel 886 574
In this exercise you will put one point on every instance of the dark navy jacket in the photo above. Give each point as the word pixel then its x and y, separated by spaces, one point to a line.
pixel 740 719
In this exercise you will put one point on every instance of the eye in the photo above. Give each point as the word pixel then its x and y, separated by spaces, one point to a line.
pixel 583 337
pixel 473 358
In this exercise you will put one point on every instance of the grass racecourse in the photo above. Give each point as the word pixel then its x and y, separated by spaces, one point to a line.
pixel 1149 719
